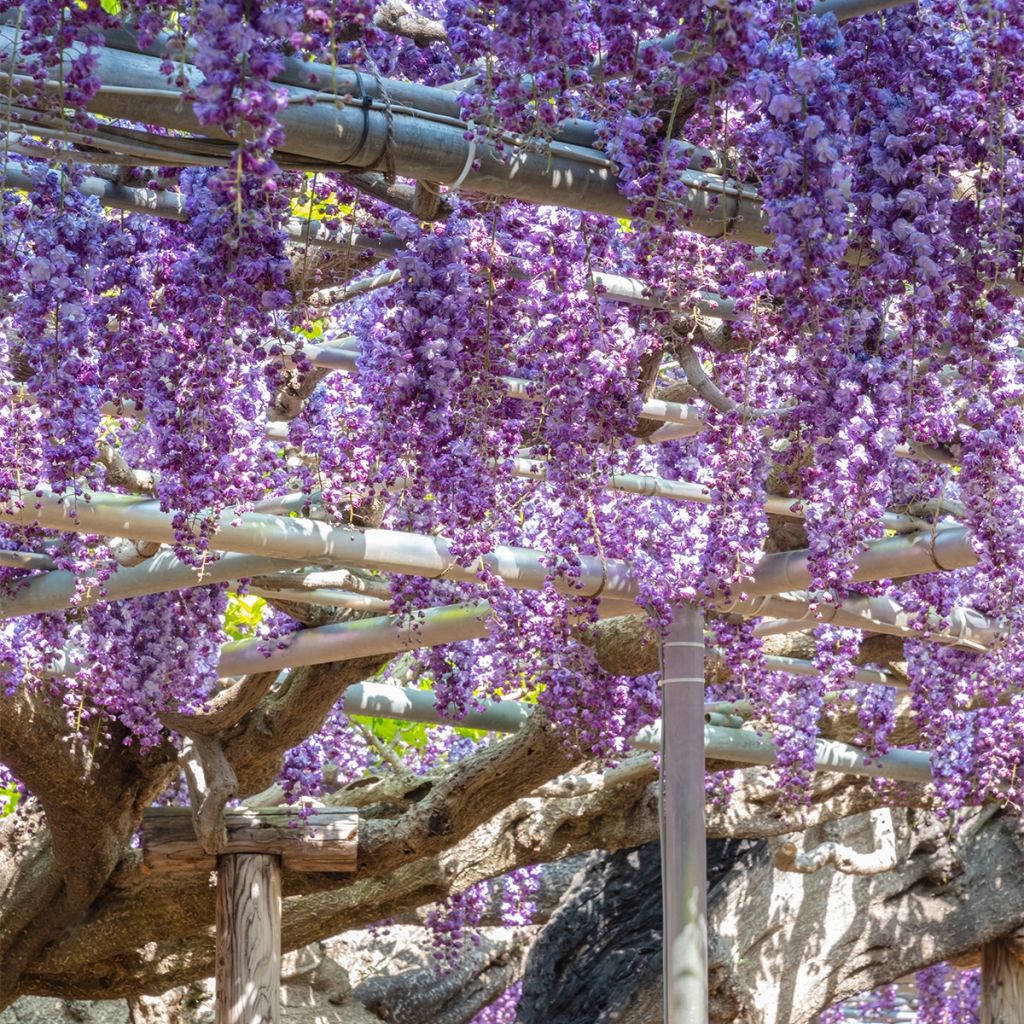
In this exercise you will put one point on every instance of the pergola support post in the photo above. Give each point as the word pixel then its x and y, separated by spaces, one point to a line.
pixel 1002 983
pixel 683 849
pixel 248 973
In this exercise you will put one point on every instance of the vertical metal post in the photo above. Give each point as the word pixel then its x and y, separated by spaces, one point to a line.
pixel 683 852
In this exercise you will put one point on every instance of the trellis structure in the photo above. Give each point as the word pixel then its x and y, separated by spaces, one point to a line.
pixel 420 130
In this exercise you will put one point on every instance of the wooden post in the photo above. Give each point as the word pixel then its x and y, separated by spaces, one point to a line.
pixel 1002 983
pixel 248 939
pixel 683 849
pixel 259 844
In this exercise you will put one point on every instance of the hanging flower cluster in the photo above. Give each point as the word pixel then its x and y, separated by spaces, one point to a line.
pixel 500 392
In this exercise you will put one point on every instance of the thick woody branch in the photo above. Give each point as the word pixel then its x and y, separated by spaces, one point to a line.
pixel 286 716
pixel 488 838
pixel 952 891
pixel 400 19
pixel 120 474
pixel 882 857
pixel 90 802
pixel 225 710
pixel 211 784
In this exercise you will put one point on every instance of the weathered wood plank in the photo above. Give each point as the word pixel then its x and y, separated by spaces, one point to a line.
pixel 248 968
pixel 1002 984
pixel 324 841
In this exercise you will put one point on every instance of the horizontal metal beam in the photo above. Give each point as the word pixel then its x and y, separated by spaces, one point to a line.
pixel 443 101
pixel 53 591
pixel 742 746
pixel 313 542
pixel 967 628
pixel 407 704
pixel 747 747
pixel 348 135
pixel 171 206
pixel 431 627
pixel 412 554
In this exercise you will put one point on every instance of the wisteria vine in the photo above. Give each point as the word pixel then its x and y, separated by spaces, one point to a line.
pixel 881 328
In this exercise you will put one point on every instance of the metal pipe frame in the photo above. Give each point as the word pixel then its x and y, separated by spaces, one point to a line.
pixel 171 206
pixel 965 628
pixel 53 591
pixel 721 743
pixel 424 146
pixel 411 554
pixel 341 134
pixel 680 420
pixel 309 541
pixel 391 634
pixel 434 151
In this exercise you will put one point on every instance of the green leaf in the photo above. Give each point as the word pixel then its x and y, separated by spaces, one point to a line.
pixel 243 615
pixel 9 797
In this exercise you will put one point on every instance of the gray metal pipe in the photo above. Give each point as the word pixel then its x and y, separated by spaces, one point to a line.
pixel 740 746
pixel 911 555
pixel 53 591
pixel 311 541
pixel 171 206
pixel 323 78
pixel 967 628
pixel 348 135
pixel 683 835
pixel 378 700
pixel 417 555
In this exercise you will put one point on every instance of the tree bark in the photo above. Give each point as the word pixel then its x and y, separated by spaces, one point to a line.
pixel 795 942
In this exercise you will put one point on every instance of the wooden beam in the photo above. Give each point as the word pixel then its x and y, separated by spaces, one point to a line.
pixel 324 841
pixel 248 970
pixel 1002 983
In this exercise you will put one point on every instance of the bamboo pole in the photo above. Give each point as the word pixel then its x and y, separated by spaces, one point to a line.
pixel 680 420
pixel 683 838
pixel 320 595
pixel 248 969
pixel 344 356
pixel 408 704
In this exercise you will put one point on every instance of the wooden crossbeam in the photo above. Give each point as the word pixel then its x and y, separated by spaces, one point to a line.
pixel 325 840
